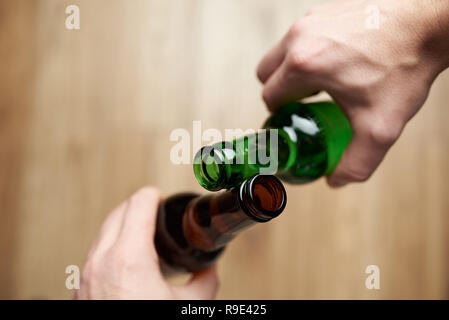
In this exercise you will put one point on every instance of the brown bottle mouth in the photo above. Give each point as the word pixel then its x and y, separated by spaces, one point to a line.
pixel 263 197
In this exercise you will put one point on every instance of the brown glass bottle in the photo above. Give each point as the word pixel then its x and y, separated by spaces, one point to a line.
pixel 193 230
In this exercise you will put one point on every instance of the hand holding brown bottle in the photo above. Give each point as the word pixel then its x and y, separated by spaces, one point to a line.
pixel 123 263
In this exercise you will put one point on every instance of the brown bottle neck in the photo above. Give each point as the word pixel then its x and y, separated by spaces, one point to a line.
pixel 211 221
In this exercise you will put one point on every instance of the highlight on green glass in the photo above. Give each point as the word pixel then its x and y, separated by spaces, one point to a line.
pixel 299 143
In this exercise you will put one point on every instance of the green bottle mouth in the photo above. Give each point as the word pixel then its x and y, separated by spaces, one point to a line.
pixel 209 168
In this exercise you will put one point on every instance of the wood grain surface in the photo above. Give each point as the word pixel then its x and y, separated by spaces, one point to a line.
pixel 85 121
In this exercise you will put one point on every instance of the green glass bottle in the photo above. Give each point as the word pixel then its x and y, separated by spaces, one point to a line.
pixel 302 142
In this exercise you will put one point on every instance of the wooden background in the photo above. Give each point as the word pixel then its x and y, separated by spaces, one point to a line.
pixel 85 119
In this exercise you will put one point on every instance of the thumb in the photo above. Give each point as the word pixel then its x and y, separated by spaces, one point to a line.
pixel 202 286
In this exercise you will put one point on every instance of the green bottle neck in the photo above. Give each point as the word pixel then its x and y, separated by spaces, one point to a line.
pixel 226 164
pixel 303 143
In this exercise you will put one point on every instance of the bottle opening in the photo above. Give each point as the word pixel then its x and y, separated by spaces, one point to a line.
pixel 263 197
pixel 209 169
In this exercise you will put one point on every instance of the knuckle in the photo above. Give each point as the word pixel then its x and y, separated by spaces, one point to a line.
pixel 301 61
pixel 297 27
pixel 383 133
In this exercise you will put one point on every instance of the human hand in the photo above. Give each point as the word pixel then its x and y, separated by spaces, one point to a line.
pixel 123 262
pixel 379 77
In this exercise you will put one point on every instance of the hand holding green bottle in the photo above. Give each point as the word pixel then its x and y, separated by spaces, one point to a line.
pixel 379 75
